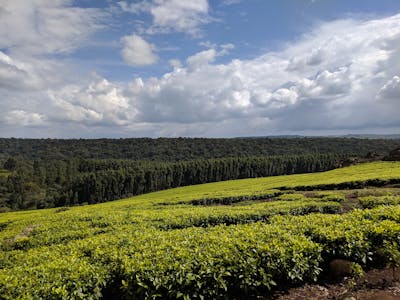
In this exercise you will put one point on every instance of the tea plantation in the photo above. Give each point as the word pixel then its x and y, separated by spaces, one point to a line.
pixel 225 240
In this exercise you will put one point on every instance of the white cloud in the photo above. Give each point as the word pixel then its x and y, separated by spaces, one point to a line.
pixel 172 15
pixel 138 52
pixel 31 33
pixel 342 76
pixel 42 27
pixel 30 73
pixel 208 56
pixel 101 102
pixel 202 58
pixel 23 118
pixel 325 80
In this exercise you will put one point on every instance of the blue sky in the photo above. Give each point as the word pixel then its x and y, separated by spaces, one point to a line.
pixel 198 68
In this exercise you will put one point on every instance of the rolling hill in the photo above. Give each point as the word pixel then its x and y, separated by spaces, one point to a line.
pixel 220 240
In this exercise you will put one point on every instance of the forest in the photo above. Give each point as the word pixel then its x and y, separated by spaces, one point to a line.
pixel 52 173
pixel 180 149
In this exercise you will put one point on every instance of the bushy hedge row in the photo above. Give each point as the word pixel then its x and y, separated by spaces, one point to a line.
pixel 221 262
pixel 374 201
pixel 359 184
pixel 241 215
pixel 233 199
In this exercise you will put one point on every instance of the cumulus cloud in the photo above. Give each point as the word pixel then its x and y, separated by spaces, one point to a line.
pixel 43 27
pixel 101 102
pixel 137 51
pixel 31 33
pixel 327 79
pixel 341 76
pixel 172 15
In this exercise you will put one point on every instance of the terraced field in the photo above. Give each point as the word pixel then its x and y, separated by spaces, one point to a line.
pixel 233 239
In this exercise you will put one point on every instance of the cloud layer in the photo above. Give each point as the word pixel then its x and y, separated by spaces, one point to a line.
pixel 341 76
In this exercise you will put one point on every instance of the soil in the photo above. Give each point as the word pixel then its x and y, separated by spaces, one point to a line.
pixel 374 285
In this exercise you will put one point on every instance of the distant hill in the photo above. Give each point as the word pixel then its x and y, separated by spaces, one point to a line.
pixel 373 136
pixel 357 136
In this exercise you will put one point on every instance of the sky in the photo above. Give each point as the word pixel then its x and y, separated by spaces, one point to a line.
pixel 198 68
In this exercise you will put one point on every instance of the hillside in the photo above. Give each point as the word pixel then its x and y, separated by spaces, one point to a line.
pixel 55 183
pixel 46 173
pixel 231 239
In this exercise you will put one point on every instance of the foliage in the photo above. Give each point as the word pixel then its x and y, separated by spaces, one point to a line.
pixel 179 149
pixel 374 201
pixel 76 181
pixel 52 173
pixel 141 248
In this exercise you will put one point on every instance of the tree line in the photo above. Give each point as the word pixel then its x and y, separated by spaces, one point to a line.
pixel 53 183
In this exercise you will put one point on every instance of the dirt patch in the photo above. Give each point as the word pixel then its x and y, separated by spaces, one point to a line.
pixel 374 285
pixel 27 231
pixel 12 242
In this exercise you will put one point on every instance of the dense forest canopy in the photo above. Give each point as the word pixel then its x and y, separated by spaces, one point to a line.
pixel 49 173
pixel 178 149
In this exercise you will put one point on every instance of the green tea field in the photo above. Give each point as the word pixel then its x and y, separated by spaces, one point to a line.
pixel 226 240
